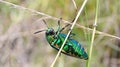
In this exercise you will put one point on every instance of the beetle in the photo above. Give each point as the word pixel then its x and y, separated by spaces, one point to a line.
pixel 56 38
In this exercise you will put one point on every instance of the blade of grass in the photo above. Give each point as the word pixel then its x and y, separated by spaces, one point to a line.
pixel 93 35
pixel 76 18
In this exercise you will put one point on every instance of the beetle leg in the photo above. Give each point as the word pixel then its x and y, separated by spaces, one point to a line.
pixel 59 26
pixel 71 35
pixel 64 27
pixel 53 42
pixel 58 30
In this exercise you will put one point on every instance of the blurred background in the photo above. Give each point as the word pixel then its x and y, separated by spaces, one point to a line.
pixel 20 47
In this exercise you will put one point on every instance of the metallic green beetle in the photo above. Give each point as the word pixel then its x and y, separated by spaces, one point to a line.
pixel 71 47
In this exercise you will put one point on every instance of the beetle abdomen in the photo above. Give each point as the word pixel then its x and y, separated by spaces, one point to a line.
pixel 71 48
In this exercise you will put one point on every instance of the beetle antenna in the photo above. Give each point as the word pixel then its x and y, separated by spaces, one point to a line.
pixel 45 23
pixel 59 21
pixel 39 31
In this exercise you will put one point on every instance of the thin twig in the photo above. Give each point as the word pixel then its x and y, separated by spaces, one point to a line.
pixel 74 22
pixel 48 16
pixel 93 36
pixel 74 4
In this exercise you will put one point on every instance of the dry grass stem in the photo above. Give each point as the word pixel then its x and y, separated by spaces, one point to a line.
pixel 73 1
pixel 93 36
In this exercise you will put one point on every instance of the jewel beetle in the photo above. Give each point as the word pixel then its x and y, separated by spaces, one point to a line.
pixel 56 38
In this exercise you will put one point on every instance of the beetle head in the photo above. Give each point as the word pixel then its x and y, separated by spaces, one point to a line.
pixel 50 31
